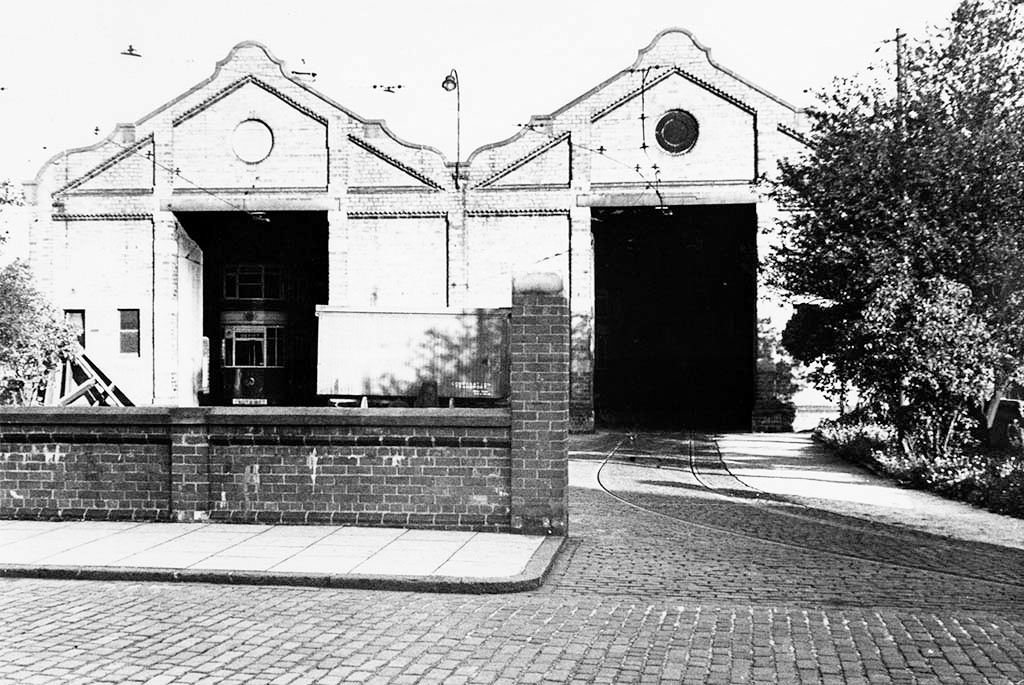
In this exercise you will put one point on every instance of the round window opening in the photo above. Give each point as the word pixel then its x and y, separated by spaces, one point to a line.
pixel 252 141
pixel 677 131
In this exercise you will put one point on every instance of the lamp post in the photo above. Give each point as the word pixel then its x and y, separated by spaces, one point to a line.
pixel 450 83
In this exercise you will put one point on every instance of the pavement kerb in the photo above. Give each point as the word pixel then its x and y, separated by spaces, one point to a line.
pixel 531 578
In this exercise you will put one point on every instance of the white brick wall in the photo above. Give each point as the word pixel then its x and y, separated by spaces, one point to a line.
pixel 724 149
pixel 101 267
pixel 500 247
pixel 394 263
pixel 204 154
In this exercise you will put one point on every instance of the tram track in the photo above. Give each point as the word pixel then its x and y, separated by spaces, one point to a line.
pixel 780 519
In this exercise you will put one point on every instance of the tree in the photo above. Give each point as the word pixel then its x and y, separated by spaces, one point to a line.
pixel 907 218
pixel 922 340
pixel 32 342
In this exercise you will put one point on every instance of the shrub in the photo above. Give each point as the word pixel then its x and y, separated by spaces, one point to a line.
pixel 856 436
pixel 993 479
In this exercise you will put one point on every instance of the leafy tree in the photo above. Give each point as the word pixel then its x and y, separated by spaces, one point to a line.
pixel 922 338
pixel 32 342
pixel 905 242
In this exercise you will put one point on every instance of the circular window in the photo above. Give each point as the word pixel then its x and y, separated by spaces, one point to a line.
pixel 252 141
pixel 677 131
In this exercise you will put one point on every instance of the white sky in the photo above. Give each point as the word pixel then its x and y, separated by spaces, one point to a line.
pixel 62 74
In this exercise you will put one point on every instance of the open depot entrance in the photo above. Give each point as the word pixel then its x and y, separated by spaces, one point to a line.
pixel 263 275
pixel 675 316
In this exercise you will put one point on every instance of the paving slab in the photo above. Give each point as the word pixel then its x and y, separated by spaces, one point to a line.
pixel 328 556
pixel 796 467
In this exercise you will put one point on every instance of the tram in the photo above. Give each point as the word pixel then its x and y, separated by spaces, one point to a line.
pixel 255 336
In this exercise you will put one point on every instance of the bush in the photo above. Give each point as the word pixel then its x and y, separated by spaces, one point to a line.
pixel 856 437
pixel 993 479
pixel 1006 489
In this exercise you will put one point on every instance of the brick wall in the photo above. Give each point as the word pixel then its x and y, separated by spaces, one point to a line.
pixel 432 468
pixel 79 464
pixel 470 469
pixel 203 150
pixel 500 246
pixel 101 267
pixel 397 263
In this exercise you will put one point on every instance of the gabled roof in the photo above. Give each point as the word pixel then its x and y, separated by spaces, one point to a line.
pixel 640 65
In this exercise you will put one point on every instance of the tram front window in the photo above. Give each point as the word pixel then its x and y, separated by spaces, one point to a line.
pixel 259 347
pixel 248 349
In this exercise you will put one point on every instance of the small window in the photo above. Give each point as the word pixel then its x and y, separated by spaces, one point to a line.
pixel 253 282
pixel 75 318
pixel 129 331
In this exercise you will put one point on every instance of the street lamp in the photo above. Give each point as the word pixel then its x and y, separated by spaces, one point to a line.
pixel 450 83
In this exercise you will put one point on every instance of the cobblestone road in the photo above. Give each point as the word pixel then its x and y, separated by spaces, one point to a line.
pixel 636 597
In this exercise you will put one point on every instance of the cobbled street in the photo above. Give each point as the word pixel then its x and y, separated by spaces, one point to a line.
pixel 693 587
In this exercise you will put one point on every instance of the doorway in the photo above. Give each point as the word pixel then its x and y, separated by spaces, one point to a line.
pixel 675 316
pixel 263 275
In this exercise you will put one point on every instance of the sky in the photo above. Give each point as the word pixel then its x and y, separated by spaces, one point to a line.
pixel 64 82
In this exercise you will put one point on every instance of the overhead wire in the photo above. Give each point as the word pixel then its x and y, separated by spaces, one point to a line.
pixel 648 184
pixel 602 152
pixel 177 172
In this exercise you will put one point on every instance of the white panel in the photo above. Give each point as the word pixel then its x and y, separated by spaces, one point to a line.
pixel 393 352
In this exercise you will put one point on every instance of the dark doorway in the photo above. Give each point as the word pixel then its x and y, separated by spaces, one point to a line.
pixel 263 275
pixel 675 316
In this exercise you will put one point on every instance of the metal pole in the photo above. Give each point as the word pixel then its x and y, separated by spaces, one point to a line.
pixel 458 127
pixel 450 83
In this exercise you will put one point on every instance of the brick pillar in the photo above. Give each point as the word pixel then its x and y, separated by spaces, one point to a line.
pixel 540 405
pixel 190 464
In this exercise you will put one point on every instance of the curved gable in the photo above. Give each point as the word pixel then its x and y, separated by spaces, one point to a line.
pixel 613 127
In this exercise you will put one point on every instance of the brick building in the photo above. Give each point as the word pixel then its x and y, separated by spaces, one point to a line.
pixel 198 242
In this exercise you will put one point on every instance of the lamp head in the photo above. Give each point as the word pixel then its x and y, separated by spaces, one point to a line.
pixel 451 81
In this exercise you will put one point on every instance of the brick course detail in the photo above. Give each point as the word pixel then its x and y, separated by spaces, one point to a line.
pixel 501 470
pixel 418 468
